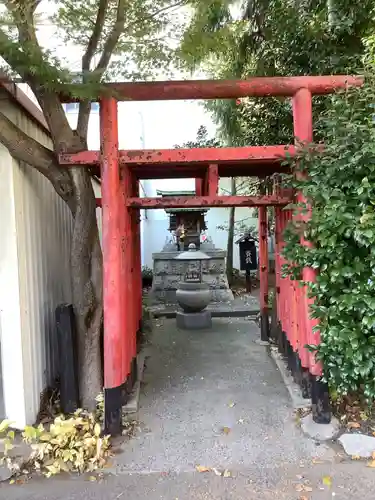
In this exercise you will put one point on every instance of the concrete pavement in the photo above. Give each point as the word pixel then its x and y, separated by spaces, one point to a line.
pixel 215 399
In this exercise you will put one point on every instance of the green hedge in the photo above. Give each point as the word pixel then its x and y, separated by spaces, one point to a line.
pixel 341 189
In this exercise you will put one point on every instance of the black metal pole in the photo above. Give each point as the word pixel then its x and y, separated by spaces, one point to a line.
pixel 321 408
pixel 67 346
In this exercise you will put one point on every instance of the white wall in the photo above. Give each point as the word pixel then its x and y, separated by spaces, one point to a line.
pixel 34 276
pixel 157 225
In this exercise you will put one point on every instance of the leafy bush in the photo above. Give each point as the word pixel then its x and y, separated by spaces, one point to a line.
pixel 341 190
pixel 147 273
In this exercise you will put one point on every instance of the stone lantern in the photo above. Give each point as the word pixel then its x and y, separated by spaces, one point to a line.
pixel 193 295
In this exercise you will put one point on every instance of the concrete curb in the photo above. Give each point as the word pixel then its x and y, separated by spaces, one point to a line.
pixel 132 406
pixel 294 390
pixel 318 432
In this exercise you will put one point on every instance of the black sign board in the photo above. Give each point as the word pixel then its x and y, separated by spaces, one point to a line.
pixel 248 255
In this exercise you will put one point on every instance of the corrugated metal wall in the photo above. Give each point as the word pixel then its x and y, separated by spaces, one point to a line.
pixel 43 234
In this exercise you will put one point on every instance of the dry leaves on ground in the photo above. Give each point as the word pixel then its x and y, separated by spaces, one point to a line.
pixel 217 472
pixel 202 468
pixel 371 464
pixel 226 430
pixel 353 425
pixel 303 487
pixel 327 481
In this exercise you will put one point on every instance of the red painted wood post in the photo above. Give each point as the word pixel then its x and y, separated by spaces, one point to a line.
pixel 137 261
pixel 112 297
pixel 278 270
pixel 263 273
pixel 303 132
pixel 198 187
pixel 129 303
pixel 213 180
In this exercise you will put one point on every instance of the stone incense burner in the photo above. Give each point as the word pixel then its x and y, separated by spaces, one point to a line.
pixel 193 295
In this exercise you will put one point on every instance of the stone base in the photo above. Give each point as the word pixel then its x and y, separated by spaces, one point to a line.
pixel 194 321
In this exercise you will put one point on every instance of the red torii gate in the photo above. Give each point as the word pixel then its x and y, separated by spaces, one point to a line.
pixel 120 174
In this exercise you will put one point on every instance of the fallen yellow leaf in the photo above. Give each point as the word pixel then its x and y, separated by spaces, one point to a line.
pixel 12 481
pixel 356 457
pixel 316 461
pixel 202 468
pixel 327 480
pixel 227 473
pixel 226 430
pixel 353 425
pixel 232 405
pixel 371 464
pixel 92 478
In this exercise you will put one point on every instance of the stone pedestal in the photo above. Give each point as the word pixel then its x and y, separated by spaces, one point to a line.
pixel 193 321
pixel 168 272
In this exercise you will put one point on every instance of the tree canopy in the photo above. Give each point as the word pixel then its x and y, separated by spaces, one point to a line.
pixel 275 37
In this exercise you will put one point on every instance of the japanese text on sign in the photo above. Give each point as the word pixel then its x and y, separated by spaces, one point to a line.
pixel 248 257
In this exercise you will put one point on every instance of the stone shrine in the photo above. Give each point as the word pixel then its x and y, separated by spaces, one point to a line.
pixel 168 272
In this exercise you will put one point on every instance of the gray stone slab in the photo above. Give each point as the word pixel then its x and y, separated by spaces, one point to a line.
pixel 194 321
pixel 240 307
pixel 5 473
pixel 358 445
pixel 216 312
pixel 320 432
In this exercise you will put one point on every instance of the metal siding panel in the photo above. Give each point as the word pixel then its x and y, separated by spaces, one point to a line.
pixel 44 227
pixel 11 341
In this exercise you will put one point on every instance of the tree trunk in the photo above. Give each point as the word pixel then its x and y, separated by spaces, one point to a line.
pixel 232 213
pixel 87 288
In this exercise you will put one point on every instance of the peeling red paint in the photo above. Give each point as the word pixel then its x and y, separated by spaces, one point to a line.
pixel 226 89
pixel 220 156
pixel 208 201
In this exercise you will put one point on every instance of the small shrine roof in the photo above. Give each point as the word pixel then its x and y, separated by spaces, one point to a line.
pixel 177 210
pixel 245 237
pixel 159 192
pixel 162 193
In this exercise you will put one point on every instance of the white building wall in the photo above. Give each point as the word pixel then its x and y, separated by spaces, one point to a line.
pixel 34 276
pixel 157 227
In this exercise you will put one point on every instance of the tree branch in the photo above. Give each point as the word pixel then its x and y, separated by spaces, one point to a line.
pixel 108 49
pixel 25 149
pixel 23 14
pixel 93 43
pixel 92 46
pixel 113 38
